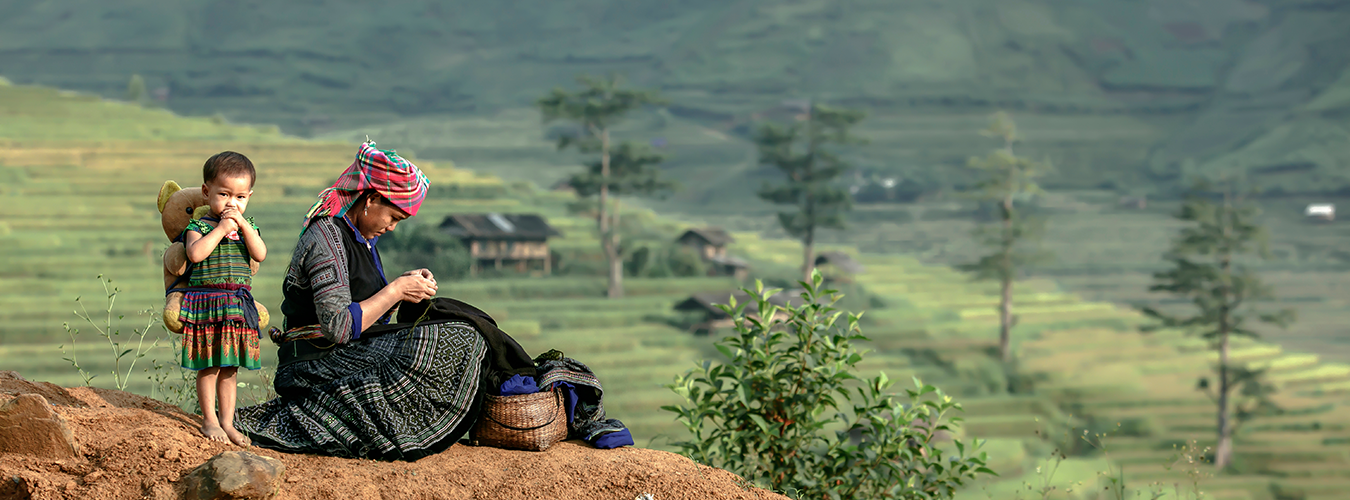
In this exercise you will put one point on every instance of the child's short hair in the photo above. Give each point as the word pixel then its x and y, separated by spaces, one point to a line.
pixel 228 164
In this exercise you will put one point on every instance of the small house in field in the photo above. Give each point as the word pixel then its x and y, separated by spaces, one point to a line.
pixel 497 240
pixel 1323 211
pixel 838 265
pixel 710 243
pixel 703 305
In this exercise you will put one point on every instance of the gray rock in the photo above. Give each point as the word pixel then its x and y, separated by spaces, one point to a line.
pixel 234 475
pixel 29 426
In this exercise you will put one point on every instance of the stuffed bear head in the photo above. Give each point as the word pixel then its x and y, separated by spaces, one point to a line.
pixel 177 206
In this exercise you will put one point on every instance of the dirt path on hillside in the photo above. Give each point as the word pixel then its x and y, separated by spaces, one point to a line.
pixel 136 447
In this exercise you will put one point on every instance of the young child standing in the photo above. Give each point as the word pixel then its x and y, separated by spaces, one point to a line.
pixel 220 319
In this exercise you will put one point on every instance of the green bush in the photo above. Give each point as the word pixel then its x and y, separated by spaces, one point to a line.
pixel 662 260
pixel 650 260
pixel 775 413
pixel 683 261
pixel 638 261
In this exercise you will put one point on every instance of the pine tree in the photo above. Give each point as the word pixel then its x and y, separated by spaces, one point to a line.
pixel 1008 178
pixel 633 171
pixel 595 109
pixel 1205 269
pixel 799 151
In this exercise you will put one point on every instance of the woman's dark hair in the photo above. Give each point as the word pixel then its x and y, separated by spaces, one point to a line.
pixel 374 196
pixel 228 164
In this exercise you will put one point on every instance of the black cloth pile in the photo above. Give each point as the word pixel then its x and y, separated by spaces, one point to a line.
pixel 505 356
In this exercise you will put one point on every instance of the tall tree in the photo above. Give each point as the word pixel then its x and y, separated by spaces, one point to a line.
pixel 633 171
pixel 800 151
pixel 1013 237
pixel 595 109
pixel 1206 270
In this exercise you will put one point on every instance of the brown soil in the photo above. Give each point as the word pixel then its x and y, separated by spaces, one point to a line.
pixel 136 447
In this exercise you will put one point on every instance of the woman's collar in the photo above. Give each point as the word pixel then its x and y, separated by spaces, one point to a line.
pixel 369 243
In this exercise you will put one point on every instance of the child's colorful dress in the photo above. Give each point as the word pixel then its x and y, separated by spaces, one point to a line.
pixel 220 319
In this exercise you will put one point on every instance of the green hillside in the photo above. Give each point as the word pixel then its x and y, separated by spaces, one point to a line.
pixel 75 207
pixel 1128 94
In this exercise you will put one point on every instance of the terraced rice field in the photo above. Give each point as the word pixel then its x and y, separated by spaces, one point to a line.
pixel 76 209
pixel 1086 359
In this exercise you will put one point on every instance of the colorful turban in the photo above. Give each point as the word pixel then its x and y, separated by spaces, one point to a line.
pixel 395 178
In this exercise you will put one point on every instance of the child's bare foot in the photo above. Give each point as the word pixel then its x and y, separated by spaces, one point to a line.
pixel 237 437
pixel 215 433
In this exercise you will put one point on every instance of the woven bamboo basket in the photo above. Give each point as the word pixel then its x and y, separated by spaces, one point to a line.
pixel 531 422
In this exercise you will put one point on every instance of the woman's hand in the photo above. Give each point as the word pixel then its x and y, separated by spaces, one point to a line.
pixel 414 288
pixel 424 272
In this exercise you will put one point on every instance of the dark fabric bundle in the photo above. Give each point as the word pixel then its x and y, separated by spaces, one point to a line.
pixel 586 409
pixel 505 356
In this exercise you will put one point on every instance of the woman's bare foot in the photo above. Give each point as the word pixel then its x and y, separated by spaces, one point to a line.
pixel 237 437
pixel 215 433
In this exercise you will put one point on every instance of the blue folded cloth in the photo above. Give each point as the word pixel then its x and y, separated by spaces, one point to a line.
pixel 614 439
pixel 517 385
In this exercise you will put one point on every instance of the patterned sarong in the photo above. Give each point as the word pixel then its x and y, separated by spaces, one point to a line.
pixel 398 396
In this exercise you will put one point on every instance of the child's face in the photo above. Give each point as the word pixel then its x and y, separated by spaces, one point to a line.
pixel 227 192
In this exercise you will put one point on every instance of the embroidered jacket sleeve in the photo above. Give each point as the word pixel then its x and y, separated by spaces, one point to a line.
pixel 323 269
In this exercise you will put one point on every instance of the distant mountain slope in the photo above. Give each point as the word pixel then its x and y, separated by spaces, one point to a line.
pixel 1258 84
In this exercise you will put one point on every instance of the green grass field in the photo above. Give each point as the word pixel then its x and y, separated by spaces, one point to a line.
pixel 73 209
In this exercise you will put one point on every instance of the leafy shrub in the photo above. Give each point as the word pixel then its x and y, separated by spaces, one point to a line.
pixel 640 262
pixel 767 414
pixel 655 260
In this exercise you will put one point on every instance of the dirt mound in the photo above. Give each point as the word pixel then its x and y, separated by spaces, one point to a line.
pixel 136 447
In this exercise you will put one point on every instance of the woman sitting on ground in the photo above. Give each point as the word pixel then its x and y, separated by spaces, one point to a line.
pixel 343 391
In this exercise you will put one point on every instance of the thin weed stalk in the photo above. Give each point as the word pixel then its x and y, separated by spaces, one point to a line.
pixel 113 335
pixel 262 391
pixel 1192 456
pixel 169 382
pixel 1112 482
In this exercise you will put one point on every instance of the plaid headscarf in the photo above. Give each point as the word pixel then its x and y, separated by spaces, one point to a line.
pixel 395 178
